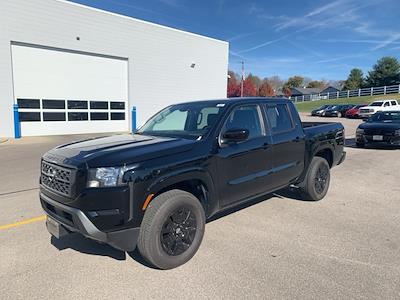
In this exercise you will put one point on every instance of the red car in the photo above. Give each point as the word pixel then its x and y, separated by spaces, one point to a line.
pixel 353 112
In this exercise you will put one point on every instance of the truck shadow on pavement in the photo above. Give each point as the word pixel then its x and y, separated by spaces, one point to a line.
pixel 81 244
pixel 84 245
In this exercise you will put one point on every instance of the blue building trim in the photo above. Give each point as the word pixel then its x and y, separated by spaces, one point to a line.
pixel 17 129
pixel 133 119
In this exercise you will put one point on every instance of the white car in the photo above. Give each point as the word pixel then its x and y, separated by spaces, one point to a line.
pixel 378 105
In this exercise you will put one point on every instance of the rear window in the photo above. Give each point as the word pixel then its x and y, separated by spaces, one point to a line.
pixel 279 118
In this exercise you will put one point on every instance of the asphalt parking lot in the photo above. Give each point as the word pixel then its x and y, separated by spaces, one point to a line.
pixel 346 246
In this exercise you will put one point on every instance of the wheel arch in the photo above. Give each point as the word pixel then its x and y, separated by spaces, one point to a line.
pixel 327 154
pixel 197 182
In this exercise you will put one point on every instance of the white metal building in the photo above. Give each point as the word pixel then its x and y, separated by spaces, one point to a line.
pixel 75 69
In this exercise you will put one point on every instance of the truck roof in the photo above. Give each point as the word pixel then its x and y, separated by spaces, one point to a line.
pixel 239 100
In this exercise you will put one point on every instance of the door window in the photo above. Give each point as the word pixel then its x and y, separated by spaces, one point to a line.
pixel 207 117
pixel 279 118
pixel 246 117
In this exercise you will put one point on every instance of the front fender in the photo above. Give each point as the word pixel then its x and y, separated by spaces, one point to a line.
pixel 146 182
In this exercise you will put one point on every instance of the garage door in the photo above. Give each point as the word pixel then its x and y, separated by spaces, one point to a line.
pixel 62 92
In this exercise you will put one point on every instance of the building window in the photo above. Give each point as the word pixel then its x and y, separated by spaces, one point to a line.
pixel 53 116
pixel 98 116
pixel 29 116
pixel 53 104
pixel 117 105
pixel 98 105
pixel 77 104
pixel 28 103
pixel 77 116
pixel 117 116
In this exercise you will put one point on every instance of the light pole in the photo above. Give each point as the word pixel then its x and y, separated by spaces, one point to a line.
pixel 242 81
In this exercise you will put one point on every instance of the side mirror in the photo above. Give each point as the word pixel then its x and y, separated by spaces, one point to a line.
pixel 234 136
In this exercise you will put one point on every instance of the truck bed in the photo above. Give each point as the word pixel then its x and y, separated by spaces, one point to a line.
pixel 324 131
pixel 313 124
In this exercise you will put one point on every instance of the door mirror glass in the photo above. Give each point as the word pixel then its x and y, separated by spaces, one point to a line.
pixel 235 136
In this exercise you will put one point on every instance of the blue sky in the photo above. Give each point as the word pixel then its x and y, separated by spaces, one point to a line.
pixel 319 39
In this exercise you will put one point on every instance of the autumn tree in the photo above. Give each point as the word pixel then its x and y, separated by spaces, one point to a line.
pixel 233 89
pixel 249 88
pixel 386 71
pixel 275 82
pixel 320 84
pixel 265 89
pixel 255 80
pixel 287 91
pixel 294 81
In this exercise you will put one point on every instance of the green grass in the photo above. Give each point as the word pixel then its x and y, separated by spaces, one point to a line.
pixel 310 105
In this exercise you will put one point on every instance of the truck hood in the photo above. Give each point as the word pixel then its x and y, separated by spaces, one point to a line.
pixel 389 126
pixel 371 107
pixel 117 150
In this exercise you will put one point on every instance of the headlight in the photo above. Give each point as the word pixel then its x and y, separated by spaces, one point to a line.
pixel 359 131
pixel 105 177
pixel 397 132
pixel 371 110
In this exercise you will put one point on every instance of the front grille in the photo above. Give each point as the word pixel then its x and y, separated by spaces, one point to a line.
pixel 364 111
pixel 378 132
pixel 56 178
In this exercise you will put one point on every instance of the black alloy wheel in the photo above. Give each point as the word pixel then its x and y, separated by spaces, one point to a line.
pixel 321 178
pixel 172 229
pixel 178 231
pixel 316 183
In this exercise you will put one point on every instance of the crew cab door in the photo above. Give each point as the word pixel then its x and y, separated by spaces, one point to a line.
pixel 288 143
pixel 243 167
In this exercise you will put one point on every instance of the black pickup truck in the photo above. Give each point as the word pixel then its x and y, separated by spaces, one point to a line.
pixel 156 188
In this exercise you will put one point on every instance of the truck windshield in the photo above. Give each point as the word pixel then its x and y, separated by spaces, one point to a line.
pixel 378 103
pixel 187 120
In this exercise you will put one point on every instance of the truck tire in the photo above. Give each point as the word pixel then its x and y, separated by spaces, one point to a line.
pixel 316 183
pixel 172 229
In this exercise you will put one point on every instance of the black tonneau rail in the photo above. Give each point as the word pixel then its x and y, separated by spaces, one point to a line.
pixel 312 124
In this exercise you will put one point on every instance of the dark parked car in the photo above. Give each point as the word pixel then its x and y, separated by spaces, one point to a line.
pixel 156 188
pixel 337 110
pixel 344 108
pixel 354 112
pixel 320 110
pixel 382 127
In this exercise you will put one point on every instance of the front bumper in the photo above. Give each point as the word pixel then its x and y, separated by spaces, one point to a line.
pixel 365 115
pixel 386 139
pixel 74 220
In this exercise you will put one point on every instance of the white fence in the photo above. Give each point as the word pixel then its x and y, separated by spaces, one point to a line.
pixel 373 91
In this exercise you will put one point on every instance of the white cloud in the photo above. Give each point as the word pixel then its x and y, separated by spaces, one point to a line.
pixel 172 3
pixel 389 41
